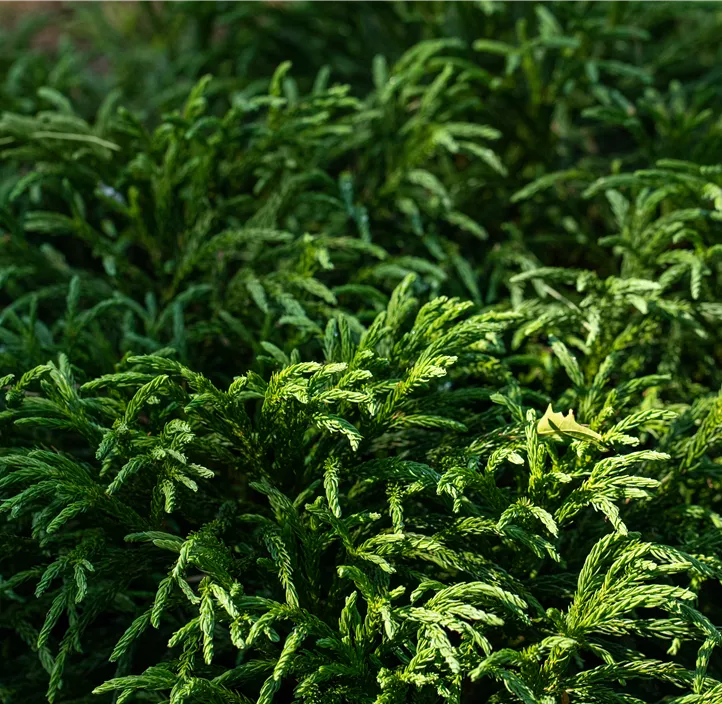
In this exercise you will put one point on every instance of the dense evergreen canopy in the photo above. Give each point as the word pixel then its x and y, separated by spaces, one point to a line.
pixel 361 353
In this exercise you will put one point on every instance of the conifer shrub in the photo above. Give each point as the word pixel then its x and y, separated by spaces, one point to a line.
pixel 361 353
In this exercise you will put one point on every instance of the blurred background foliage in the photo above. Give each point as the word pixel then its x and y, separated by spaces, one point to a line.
pixel 222 179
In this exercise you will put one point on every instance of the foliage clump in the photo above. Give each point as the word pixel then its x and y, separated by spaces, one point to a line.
pixel 367 355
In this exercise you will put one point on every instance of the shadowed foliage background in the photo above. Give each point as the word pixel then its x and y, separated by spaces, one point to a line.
pixel 286 289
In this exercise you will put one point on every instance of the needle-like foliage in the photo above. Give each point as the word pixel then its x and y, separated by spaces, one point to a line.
pixel 364 353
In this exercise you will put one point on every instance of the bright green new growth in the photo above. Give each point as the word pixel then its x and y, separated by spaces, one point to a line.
pixel 276 348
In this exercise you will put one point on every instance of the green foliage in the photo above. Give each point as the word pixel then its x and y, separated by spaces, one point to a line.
pixel 286 295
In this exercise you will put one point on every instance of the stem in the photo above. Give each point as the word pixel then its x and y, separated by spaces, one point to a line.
pixel 617 11
pixel 149 10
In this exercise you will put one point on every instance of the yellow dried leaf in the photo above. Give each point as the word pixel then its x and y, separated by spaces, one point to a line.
pixel 557 425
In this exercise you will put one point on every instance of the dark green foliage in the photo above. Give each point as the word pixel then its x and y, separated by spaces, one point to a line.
pixel 287 290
